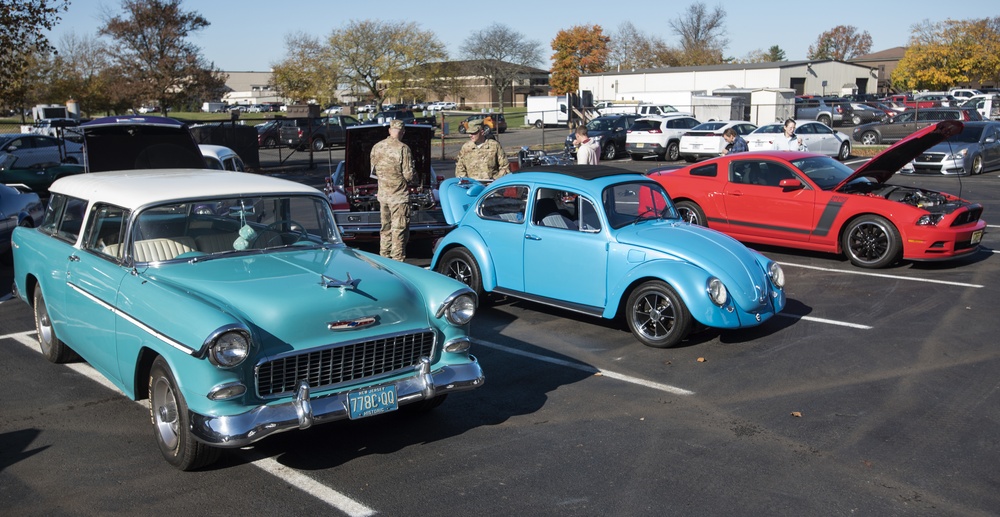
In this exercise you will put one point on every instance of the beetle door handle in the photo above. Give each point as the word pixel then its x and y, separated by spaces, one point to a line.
pixel 532 237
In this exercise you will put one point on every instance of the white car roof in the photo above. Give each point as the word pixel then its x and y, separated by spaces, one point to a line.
pixel 135 188
pixel 219 151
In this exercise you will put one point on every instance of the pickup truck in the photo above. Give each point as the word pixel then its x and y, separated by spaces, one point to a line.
pixel 352 191
pixel 909 102
pixel 407 116
pixel 316 133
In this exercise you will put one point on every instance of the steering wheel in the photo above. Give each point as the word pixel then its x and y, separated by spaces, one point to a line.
pixel 273 231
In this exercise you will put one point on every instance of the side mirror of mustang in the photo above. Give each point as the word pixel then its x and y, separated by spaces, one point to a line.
pixel 790 184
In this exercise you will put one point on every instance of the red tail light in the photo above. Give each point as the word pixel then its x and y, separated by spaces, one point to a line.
pixel 655 131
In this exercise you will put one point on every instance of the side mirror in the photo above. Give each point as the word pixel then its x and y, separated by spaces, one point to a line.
pixel 790 184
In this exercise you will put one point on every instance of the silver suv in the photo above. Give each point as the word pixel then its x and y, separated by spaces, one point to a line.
pixel 832 111
pixel 658 136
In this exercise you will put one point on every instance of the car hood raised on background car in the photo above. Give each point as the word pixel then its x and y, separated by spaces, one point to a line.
pixel 888 162
pixel 718 254
pixel 358 151
pixel 286 294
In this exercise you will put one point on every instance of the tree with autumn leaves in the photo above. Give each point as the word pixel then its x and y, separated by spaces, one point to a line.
pixel 578 50
pixel 950 53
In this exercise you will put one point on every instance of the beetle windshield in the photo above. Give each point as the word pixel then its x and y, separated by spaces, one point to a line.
pixel 633 202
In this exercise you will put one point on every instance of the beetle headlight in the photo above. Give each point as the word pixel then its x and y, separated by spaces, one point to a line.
pixel 717 291
pixel 777 275
pixel 229 349
pixel 460 309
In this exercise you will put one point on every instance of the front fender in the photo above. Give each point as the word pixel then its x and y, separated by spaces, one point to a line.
pixel 470 239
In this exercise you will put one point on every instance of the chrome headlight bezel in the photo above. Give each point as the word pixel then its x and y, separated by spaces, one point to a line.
pixel 777 275
pixel 459 308
pixel 717 291
pixel 229 347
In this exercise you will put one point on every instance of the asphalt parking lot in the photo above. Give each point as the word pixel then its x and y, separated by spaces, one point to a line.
pixel 873 393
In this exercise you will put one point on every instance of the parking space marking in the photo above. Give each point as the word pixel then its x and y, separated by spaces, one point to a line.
pixel 587 368
pixel 305 483
pixel 882 275
pixel 824 320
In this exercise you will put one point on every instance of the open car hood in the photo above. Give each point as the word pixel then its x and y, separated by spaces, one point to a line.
pixel 361 139
pixel 888 162
pixel 139 142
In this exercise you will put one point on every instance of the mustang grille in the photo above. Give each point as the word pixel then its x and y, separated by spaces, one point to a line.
pixel 969 216
pixel 344 363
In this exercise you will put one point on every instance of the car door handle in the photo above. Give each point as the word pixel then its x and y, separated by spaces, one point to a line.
pixel 532 237
pixel 735 193
pixel 74 258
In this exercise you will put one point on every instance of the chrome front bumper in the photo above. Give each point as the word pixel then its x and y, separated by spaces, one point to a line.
pixel 243 429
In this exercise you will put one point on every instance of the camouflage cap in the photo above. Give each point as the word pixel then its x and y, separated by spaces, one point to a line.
pixel 473 126
pixel 396 124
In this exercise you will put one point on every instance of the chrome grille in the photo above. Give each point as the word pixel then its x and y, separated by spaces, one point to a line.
pixel 343 363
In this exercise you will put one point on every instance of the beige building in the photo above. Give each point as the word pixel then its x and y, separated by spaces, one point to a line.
pixel 463 83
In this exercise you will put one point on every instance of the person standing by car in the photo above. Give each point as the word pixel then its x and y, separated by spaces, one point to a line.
pixel 392 164
pixel 788 141
pixel 734 142
pixel 588 150
pixel 480 158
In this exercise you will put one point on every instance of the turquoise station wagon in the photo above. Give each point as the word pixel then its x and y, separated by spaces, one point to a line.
pixel 604 242
pixel 230 302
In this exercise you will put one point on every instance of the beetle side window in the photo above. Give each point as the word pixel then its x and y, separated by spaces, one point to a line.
pixel 505 204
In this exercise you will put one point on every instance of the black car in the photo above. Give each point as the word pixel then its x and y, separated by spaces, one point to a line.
pixel 609 131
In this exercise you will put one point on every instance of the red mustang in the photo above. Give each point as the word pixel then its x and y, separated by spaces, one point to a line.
pixel 808 201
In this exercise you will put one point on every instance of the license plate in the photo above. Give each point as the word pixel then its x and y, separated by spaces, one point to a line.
pixel 977 236
pixel 371 401
pixel 695 146
pixel 639 146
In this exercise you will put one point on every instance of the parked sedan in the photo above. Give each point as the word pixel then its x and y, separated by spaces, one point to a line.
pixel 973 151
pixel 604 242
pixel 705 140
pixel 909 121
pixel 37 177
pixel 862 113
pixel 813 202
pixel 18 208
pixel 817 137
pixel 32 149
pixel 269 133
pixel 229 301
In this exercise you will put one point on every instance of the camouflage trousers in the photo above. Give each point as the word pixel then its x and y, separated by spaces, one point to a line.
pixel 395 230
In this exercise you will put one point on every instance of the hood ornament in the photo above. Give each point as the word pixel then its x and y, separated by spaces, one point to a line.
pixel 350 283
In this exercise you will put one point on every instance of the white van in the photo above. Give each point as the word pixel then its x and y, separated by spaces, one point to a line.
pixel 988 105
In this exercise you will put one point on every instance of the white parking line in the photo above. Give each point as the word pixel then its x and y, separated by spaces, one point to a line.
pixel 882 275
pixel 587 368
pixel 305 483
pixel 824 320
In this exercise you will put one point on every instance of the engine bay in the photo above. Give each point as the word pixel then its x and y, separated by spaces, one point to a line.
pixel 926 199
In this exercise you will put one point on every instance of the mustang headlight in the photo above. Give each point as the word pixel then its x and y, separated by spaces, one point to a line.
pixel 777 275
pixel 460 309
pixel 929 219
pixel 229 349
pixel 717 291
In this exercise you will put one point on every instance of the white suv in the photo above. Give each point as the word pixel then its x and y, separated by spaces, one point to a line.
pixel 658 136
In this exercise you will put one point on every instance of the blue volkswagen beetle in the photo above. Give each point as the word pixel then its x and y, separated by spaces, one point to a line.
pixel 603 241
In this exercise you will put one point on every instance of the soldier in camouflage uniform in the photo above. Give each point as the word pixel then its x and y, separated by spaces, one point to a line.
pixel 480 158
pixel 392 163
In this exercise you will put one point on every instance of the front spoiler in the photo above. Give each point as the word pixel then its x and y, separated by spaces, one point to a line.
pixel 244 429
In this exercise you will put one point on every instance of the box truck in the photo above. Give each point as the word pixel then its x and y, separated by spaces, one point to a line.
pixel 547 110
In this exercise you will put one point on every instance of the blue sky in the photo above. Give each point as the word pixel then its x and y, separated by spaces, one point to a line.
pixel 248 35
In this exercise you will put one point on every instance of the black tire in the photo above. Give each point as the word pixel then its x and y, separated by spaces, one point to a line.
pixel 870 138
pixel 871 241
pixel 171 426
pixel 673 152
pixel 856 120
pixel 52 347
pixel 270 142
pixel 977 165
pixel 845 151
pixel 459 264
pixel 539 124
pixel 423 406
pixel 656 315
pixel 318 144
pixel 636 157
pixel 692 213
pixel 461 129
pixel 690 159
pixel 610 151
pixel 825 119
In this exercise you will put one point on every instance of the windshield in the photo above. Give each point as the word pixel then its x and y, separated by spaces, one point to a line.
pixel 770 128
pixel 823 170
pixel 627 203
pixel 209 228
pixel 969 135
pixel 709 126
pixel 601 124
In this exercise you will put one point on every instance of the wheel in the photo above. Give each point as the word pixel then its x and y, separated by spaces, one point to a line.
pixel 656 315
pixel 459 264
pixel 870 138
pixel 502 131
pixel 539 124
pixel 690 158
pixel 977 165
pixel 692 213
pixel 171 426
pixel 423 406
pixel 318 144
pixel 856 120
pixel 636 157
pixel 275 230
pixel 871 241
pixel 270 142
pixel 461 129
pixel 824 119
pixel 673 152
pixel 51 346
pixel 610 152
pixel 845 151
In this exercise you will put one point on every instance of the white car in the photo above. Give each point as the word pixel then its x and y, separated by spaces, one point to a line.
pixel 817 137
pixel 333 110
pixel 658 136
pixel 705 140
pixel 444 106
pixel 221 158
pixel 31 149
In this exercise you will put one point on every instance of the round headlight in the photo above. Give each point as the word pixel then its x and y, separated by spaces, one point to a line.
pixel 777 275
pixel 229 349
pixel 461 310
pixel 717 291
